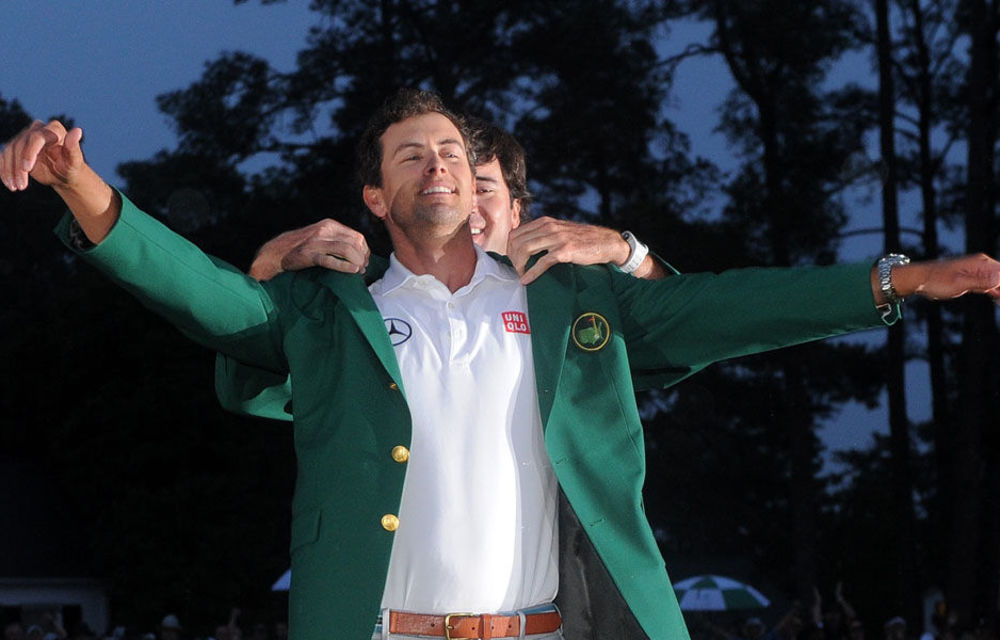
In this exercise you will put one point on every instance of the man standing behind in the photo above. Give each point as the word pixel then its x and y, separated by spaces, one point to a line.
pixel 540 504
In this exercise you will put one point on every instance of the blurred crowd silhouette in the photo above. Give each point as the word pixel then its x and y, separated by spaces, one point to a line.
pixel 801 622
pixel 169 628
pixel 840 622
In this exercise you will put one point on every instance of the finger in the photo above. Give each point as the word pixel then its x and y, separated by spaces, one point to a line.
pixel 343 253
pixel 4 163
pixel 980 276
pixel 31 146
pixel 993 278
pixel 541 266
pixel 329 255
pixel 348 250
pixel 12 159
pixel 336 263
pixel 38 137
pixel 331 229
pixel 352 247
pixel 346 241
pixel 520 248
pixel 517 259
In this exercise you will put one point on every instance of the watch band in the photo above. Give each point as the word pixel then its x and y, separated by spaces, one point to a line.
pixel 636 254
pixel 885 265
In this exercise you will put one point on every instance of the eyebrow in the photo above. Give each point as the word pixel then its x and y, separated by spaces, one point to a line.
pixel 420 145
pixel 407 145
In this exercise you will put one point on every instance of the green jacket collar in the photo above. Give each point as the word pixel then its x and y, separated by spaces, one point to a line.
pixel 550 313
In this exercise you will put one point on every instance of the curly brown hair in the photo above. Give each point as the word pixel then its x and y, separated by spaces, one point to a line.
pixel 405 103
pixel 490 141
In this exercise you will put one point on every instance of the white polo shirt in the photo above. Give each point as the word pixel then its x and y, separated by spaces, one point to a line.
pixel 477 524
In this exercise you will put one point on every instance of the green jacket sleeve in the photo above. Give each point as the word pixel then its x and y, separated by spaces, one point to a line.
pixel 685 322
pixel 207 299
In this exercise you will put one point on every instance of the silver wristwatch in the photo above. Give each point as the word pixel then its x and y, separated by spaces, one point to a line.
pixel 885 265
pixel 637 252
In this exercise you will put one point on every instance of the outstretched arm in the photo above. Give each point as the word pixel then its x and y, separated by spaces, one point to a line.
pixel 212 302
pixel 52 156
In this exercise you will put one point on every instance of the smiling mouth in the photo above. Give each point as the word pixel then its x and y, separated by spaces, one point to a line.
pixel 433 190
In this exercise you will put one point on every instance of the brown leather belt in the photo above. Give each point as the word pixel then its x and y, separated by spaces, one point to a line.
pixel 471 625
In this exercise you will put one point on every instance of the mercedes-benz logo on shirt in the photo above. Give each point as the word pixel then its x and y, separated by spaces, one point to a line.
pixel 399 330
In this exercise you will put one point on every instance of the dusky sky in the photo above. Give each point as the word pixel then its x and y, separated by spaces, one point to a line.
pixel 103 62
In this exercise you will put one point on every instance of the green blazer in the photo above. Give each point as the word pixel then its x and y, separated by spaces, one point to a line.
pixel 324 331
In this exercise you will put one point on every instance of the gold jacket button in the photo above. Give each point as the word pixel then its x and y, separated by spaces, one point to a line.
pixel 390 522
pixel 394 386
pixel 400 453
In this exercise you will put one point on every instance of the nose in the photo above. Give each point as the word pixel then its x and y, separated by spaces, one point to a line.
pixel 436 164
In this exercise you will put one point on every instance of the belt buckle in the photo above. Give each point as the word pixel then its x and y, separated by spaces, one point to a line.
pixel 447 623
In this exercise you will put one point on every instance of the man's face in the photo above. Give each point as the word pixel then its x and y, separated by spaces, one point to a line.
pixel 494 216
pixel 426 178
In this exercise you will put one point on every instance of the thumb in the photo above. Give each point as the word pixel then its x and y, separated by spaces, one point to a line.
pixel 71 144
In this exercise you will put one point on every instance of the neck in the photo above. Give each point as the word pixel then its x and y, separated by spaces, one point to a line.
pixel 451 260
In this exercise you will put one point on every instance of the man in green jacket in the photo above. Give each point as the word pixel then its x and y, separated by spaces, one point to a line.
pixel 500 223
pixel 409 499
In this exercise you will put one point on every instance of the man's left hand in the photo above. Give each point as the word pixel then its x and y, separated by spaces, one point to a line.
pixel 564 241
pixel 946 279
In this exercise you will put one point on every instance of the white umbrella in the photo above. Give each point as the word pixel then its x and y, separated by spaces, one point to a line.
pixel 717 593
pixel 282 583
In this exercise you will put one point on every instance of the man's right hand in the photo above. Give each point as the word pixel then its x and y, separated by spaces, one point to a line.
pixel 326 243
pixel 52 156
pixel 47 152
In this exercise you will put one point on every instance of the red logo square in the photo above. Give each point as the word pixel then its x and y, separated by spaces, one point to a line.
pixel 515 322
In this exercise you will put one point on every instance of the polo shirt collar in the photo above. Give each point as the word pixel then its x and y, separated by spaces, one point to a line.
pixel 397 275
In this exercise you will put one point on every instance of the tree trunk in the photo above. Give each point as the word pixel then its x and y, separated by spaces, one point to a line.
pixel 977 375
pixel 928 170
pixel 899 428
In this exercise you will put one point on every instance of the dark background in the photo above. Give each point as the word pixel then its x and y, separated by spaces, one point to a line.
pixel 184 508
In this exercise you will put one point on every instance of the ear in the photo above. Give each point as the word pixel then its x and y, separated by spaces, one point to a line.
pixel 515 212
pixel 374 200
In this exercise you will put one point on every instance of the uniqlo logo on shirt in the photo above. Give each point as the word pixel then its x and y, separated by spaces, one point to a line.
pixel 515 322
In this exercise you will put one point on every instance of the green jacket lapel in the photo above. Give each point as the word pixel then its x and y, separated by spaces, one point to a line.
pixel 353 293
pixel 550 311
